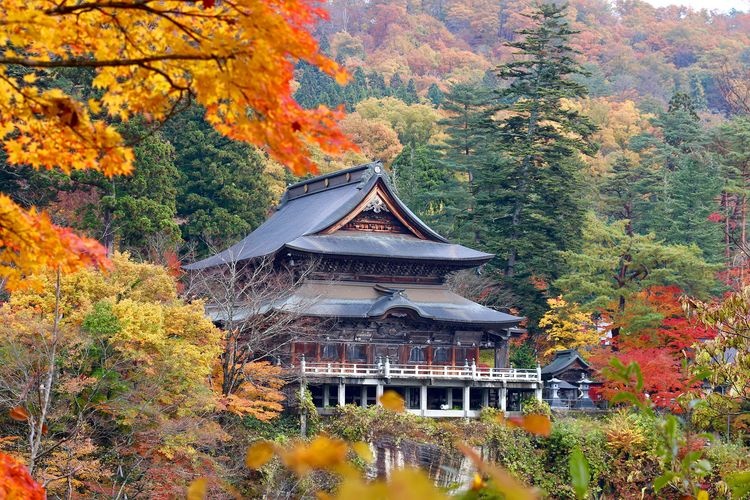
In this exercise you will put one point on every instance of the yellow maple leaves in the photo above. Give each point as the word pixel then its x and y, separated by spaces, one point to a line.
pixel 391 400
pixel 236 59
pixel 567 326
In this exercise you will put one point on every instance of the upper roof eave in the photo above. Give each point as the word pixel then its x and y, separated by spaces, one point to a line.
pixel 312 206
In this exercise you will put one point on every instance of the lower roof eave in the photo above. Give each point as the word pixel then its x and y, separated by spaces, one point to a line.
pixel 507 325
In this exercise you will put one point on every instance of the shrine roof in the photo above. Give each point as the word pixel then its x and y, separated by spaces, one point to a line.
pixel 562 360
pixel 370 300
pixel 316 205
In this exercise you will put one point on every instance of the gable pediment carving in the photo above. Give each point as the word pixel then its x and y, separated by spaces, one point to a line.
pixel 380 213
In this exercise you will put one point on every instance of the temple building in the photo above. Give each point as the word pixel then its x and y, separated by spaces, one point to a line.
pixel 378 290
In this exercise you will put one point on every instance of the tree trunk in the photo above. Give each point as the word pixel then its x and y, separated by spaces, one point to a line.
pixel 38 425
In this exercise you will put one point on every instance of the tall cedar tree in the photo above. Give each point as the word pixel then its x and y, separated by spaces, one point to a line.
pixel 464 105
pixel 430 187
pixel 731 143
pixel 129 212
pixel 528 202
pixel 222 194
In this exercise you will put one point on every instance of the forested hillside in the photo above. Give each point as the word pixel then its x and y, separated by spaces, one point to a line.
pixel 601 152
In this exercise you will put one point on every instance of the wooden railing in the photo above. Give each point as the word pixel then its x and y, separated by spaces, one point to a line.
pixel 388 370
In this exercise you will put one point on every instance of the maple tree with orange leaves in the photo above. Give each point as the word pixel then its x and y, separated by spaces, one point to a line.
pixel 16 482
pixel 235 58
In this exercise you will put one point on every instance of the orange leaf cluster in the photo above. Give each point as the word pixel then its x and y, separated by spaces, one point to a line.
pixel 31 243
pixel 16 482
pixel 19 414
pixel 540 425
pixel 259 395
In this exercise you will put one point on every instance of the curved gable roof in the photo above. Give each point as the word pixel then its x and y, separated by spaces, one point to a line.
pixel 315 206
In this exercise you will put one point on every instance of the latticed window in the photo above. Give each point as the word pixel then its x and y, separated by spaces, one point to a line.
pixel 356 352
pixel 330 352
pixel 308 349
pixel 417 355
pixel 441 355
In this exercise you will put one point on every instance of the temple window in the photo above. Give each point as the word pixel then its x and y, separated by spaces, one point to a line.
pixel 308 349
pixel 417 355
pixel 441 355
pixel 356 353
pixel 329 352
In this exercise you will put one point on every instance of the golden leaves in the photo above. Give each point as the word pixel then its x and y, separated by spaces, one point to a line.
pixel 363 451
pixel 391 400
pixel 198 489
pixel 321 453
pixel 147 72
pixel 330 454
pixel 477 482
pixel 259 454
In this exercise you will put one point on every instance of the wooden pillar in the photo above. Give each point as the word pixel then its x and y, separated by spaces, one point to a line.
pixel 342 393
pixel 502 396
pixel 378 393
pixel 485 398
pixel 501 356
pixel 449 397
pixel 467 400
pixel 423 400
pixel 326 395
pixel 539 383
pixel 363 396
pixel 302 415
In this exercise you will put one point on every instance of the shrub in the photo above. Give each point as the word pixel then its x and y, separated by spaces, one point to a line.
pixel 535 407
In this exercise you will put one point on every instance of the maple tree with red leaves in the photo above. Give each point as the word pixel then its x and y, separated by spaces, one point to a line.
pixel 663 350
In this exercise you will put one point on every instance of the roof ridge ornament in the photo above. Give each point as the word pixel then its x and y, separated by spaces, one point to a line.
pixel 374 168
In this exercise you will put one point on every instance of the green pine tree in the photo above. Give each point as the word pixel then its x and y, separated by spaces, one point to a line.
pixel 689 183
pixel 435 95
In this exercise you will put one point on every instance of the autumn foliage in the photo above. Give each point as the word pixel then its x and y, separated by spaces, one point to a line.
pixel 15 481
pixel 664 349
pixel 236 59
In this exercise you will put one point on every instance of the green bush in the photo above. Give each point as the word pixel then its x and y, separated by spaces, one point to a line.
pixel 535 407
pixel 567 434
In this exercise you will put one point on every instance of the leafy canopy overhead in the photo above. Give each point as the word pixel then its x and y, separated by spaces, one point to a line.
pixel 236 59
